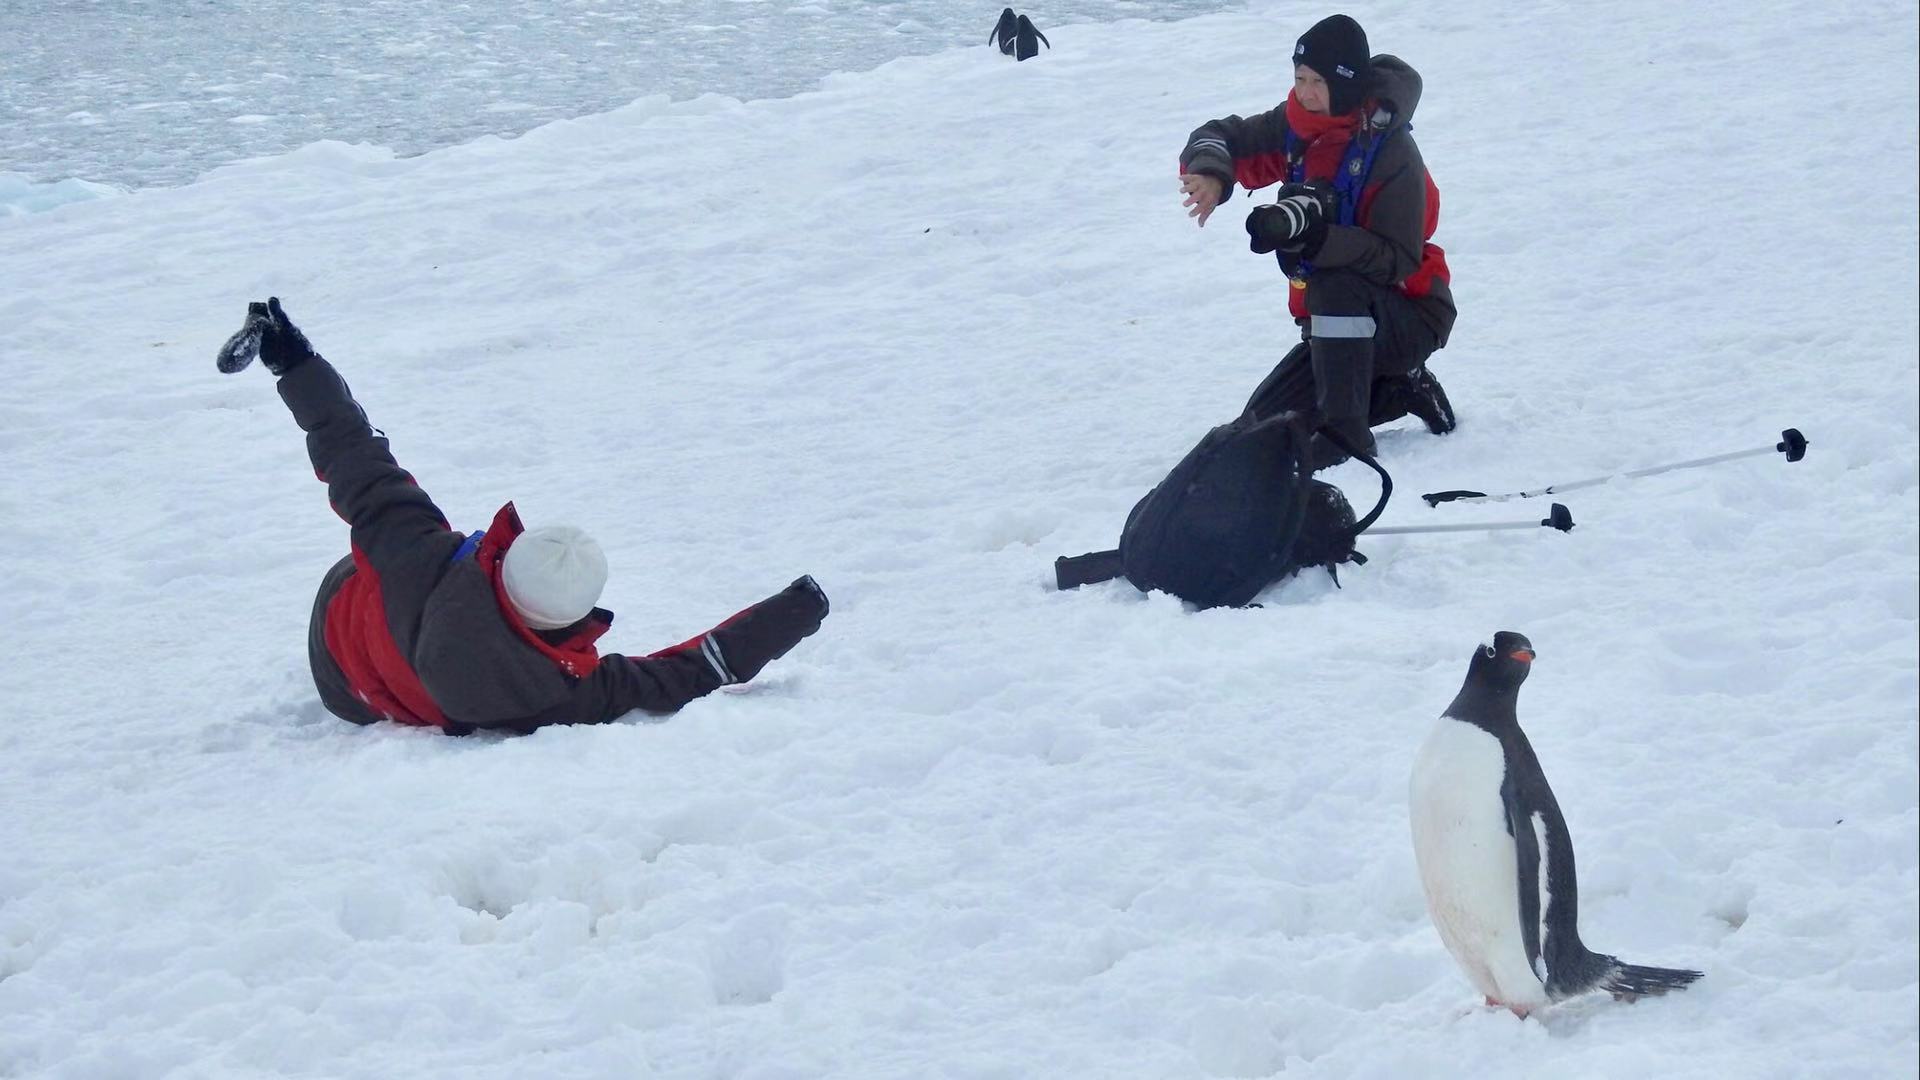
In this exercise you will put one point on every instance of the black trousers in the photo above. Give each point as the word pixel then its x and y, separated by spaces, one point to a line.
pixel 1359 335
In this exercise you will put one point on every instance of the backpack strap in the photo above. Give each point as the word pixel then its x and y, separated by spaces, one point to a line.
pixel 1386 482
pixel 1333 568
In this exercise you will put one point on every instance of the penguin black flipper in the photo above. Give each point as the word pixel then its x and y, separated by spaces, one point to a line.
pixel 1526 857
pixel 1551 892
pixel 1571 969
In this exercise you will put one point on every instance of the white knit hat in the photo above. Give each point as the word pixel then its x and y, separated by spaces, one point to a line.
pixel 553 575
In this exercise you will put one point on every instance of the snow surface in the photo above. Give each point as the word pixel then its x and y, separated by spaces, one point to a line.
pixel 149 92
pixel 917 334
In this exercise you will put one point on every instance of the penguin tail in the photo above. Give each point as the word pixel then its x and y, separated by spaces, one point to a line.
pixel 1630 982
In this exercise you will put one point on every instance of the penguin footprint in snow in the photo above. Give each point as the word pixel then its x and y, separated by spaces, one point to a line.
pixel 1495 856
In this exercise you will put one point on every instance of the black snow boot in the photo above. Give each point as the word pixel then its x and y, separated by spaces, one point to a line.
pixel 1430 404
pixel 1419 395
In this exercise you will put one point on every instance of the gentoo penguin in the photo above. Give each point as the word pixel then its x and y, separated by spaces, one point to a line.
pixel 1005 31
pixel 1495 856
pixel 1027 40
pixel 1016 36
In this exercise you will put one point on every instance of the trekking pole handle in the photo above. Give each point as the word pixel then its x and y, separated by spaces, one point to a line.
pixel 1793 444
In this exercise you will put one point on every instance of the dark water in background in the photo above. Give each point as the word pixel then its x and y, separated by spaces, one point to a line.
pixel 155 92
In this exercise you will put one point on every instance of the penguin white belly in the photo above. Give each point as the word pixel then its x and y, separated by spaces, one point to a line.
pixel 1468 867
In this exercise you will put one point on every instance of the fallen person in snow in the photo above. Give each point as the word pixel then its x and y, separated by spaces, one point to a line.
pixel 423 625
pixel 1352 229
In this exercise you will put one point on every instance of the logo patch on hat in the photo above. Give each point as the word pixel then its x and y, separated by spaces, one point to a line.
pixel 1300 49
pixel 1343 71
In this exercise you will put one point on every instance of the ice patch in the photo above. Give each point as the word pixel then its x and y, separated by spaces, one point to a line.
pixel 20 195
pixel 323 157
pixel 421 77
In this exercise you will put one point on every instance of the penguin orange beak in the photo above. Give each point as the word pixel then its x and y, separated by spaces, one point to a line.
pixel 1525 656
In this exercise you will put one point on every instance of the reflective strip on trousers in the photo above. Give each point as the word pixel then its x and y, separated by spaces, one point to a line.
pixel 1343 326
pixel 710 649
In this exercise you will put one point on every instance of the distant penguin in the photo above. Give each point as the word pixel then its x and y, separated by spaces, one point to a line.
pixel 1005 32
pixel 1495 856
pixel 1027 40
pixel 1016 36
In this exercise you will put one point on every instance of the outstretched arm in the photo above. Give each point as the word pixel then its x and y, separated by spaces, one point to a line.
pixel 733 652
pixel 1249 150
pixel 395 526
pixel 651 684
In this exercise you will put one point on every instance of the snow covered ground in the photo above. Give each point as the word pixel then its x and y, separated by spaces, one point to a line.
pixel 917 334
pixel 149 92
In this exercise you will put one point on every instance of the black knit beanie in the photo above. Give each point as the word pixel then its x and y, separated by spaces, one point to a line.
pixel 1336 49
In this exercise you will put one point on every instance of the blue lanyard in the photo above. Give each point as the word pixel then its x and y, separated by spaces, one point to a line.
pixel 468 546
pixel 1349 183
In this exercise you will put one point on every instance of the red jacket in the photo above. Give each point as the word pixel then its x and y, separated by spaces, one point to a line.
pixel 360 643
pixel 1399 208
pixel 414 626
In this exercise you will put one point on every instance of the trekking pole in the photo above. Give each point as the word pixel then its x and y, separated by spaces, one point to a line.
pixel 1560 519
pixel 1792 444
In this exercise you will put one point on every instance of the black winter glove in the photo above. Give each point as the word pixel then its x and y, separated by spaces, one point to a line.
pixel 1296 223
pixel 269 335
pixel 769 629
pixel 282 347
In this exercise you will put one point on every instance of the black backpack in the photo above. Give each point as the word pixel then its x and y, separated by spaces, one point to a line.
pixel 1240 512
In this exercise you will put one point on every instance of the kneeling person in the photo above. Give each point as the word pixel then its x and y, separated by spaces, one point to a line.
pixel 423 625
pixel 1352 229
